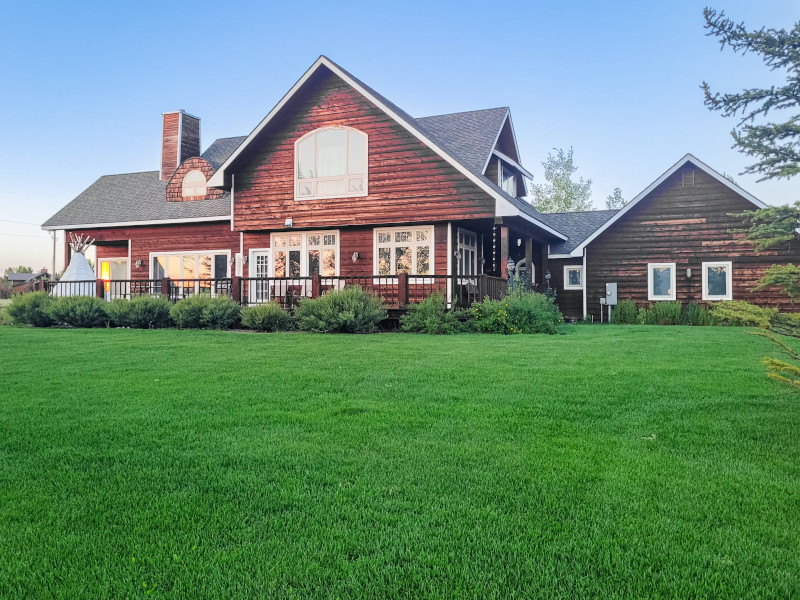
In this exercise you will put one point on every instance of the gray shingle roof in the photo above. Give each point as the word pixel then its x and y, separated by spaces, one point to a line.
pixel 577 226
pixel 469 135
pixel 132 197
pixel 218 152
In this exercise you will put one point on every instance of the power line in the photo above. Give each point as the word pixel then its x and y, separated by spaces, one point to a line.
pixel 19 222
pixel 23 235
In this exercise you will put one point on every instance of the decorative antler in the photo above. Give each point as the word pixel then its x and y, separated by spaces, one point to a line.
pixel 79 244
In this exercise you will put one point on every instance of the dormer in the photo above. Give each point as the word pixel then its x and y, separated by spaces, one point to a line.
pixel 503 167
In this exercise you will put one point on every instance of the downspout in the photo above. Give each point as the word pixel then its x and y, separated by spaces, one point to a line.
pixel 585 283
pixel 233 185
pixel 449 261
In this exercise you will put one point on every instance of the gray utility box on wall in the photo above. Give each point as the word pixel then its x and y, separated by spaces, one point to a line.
pixel 611 294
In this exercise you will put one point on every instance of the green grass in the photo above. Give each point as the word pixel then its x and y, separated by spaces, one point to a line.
pixel 611 462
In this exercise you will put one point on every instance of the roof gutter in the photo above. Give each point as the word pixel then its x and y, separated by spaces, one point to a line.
pixel 136 223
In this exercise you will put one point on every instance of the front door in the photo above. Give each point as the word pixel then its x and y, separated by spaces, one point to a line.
pixel 259 268
pixel 114 270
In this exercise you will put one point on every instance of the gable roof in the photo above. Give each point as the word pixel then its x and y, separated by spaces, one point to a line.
pixel 505 204
pixel 688 158
pixel 578 226
pixel 218 152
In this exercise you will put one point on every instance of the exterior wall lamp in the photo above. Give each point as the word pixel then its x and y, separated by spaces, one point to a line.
pixel 288 222
pixel 689 273
pixel 355 256
pixel 138 264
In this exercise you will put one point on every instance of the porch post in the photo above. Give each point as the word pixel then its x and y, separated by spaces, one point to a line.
pixel 236 295
pixel 504 252
pixel 402 289
pixel 315 285
pixel 529 256
pixel 545 264
pixel 99 288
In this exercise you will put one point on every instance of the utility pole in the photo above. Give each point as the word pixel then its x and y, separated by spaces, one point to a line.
pixel 53 272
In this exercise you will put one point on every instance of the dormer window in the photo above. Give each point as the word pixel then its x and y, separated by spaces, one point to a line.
pixel 331 163
pixel 194 184
pixel 509 181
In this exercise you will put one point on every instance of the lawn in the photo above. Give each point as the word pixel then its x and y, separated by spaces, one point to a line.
pixel 609 462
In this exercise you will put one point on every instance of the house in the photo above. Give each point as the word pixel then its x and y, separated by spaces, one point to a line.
pixel 336 181
pixel 25 282
pixel 339 185
pixel 673 241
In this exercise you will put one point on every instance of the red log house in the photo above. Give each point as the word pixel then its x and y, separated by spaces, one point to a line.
pixel 338 185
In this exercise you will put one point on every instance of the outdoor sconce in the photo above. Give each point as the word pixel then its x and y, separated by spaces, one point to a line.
pixel 519 242
pixel 138 264
pixel 355 256
pixel 288 222
pixel 547 277
pixel 689 273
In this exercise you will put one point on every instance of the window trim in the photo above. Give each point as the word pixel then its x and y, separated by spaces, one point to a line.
pixel 652 297
pixel 304 250
pixel 460 246
pixel 729 280
pixel 567 269
pixel 196 253
pixel 183 185
pixel 346 177
pixel 109 258
pixel 432 240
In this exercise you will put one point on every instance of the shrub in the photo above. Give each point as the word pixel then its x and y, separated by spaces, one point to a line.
pixel 518 313
pixel 205 312
pixel 432 317
pixel 142 312
pixel 695 315
pixel 266 317
pixel 786 324
pixel 660 313
pixel 79 311
pixel 741 314
pixel 351 310
pixel 32 308
pixel 624 313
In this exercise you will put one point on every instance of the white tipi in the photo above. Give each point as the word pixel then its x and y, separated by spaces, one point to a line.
pixel 78 279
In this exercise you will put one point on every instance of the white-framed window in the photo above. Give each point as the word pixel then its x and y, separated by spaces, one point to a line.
pixel 404 250
pixel 508 181
pixel 194 184
pixel 300 254
pixel 331 162
pixel 660 281
pixel 573 277
pixel 205 264
pixel 718 280
pixel 467 252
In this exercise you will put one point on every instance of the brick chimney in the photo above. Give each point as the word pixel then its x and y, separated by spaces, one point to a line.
pixel 180 140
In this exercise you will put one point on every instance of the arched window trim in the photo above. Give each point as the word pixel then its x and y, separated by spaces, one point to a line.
pixel 191 191
pixel 315 180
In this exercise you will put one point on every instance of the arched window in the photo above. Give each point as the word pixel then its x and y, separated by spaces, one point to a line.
pixel 331 163
pixel 194 184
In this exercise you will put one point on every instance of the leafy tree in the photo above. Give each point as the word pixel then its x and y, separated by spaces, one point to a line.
pixel 615 201
pixel 786 277
pixel 776 146
pixel 561 193
pixel 19 269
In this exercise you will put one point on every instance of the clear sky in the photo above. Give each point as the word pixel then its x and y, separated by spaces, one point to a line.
pixel 83 84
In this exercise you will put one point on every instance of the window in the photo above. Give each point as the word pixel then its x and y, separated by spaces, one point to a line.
pixel 467 252
pixel 331 163
pixel 573 277
pixel 509 181
pixel 404 250
pixel 190 265
pixel 661 281
pixel 194 184
pixel 717 280
pixel 304 254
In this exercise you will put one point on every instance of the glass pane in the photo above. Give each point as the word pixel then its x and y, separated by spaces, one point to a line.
pixel 662 281
pixel 330 188
pixel 402 236
pixel 329 262
pixel 220 265
pixel 356 186
pixel 294 263
pixel 305 189
pixel 331 152
pixel 305 160
pixel 717 281
pixel 422 235
pixel 173 267
pixel 158 267
pixel 574 276
pixel 384 261
pixel 423 260
pixel 313 240
pixel 294 241
pixel 204 270
pixel 356 153
pixel 119 269
pixel 329 240
pixel 313 262
pixel 188 266
pixel 279 241
pixel 384 238
pixel 280 263
pixel 402 260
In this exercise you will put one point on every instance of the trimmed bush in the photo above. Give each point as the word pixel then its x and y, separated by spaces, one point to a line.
pixel 739 313
pixel 32 308
pixel 518 313
pixel 351 310
pixel 660 313
pixel 432 317
pixel 695 315
pixel 141 312
pixel 624 313
pixel 266 317
pixel 79 311
pixel 204 312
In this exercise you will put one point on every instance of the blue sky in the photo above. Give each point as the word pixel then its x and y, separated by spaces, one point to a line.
pixel 83 85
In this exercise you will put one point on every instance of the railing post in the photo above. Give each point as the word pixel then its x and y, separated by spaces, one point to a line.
pixel 165 287
pixel 402 289
pixel 99 288
pixel 236 294
pixel 482 286
pixel 315 286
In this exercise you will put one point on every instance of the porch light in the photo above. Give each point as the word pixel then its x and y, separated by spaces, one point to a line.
pixel 138 264
pixel 288 222
pixel 689 273
pixel 519 242
pixel 355 256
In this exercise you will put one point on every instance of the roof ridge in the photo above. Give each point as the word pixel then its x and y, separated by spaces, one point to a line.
pixel 463 112
pixel 131 173
pixel 575 212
